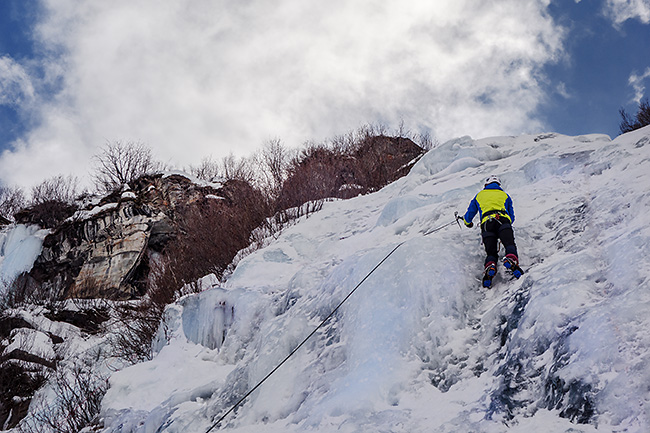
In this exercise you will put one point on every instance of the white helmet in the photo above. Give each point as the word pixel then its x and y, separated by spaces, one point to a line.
pixel 492 179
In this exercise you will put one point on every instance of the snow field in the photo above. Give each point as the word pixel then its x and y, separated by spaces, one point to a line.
pixel 421 347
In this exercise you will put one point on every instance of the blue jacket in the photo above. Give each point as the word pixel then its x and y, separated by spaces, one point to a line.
pixel 491 198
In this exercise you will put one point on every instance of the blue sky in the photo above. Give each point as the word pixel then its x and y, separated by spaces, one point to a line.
pixel 601 57
pixel 16 19
pixel 205 78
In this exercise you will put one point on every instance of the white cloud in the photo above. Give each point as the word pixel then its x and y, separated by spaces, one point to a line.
pixel 638 84
pixel 622 10
pixel 15 84
pixel 562 90
pixel 198 77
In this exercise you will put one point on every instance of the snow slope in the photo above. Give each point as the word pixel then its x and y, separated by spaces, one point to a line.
pixel 421 347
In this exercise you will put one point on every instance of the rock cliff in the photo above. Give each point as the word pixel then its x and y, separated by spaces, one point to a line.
pixel 103 250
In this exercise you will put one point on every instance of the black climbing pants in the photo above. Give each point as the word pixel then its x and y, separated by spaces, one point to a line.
pixel 493 230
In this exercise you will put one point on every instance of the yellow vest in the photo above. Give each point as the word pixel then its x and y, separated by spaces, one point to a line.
pixel 491 201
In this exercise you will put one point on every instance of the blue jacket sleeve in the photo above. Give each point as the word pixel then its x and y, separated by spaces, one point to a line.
pixel 471 211
pixel 510 209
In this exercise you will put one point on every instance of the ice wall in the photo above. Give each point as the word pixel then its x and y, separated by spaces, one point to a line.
pixel 20 245
pixel 421 347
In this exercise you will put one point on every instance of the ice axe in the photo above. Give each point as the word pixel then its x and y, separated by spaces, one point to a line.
pixel 456 220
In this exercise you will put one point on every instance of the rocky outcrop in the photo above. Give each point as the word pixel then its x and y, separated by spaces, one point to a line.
pixel 104 249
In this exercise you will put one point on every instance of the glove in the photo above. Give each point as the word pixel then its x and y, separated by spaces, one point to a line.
pixel 467 224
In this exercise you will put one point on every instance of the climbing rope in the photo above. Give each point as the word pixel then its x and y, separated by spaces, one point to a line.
pixel 252 390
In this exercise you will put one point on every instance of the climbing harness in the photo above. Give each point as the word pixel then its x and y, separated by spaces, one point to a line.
pixel 241 400
pixel 493 215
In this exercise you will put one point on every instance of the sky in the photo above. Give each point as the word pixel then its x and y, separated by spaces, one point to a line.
pixel 205 78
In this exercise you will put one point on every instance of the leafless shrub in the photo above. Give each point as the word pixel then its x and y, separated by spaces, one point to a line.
pixel 47 214
pixel 52 201
pixel 349 143
pixel 230 167
pixel 237 168
pixel 138 323
pixel 88 315
pixel 23 290
pixel 79 391
pixel 120 162
pixel 12 199
pixel 287 216
pixel 15 294
pixel 425 140
pixel 59 188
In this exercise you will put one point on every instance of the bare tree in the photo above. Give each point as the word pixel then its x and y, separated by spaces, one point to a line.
pixel 12 199
pixel 121 162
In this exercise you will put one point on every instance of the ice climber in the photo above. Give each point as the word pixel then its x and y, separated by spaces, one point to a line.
pixel 496 215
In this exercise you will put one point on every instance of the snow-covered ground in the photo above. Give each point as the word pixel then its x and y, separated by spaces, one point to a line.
pixel 421 346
